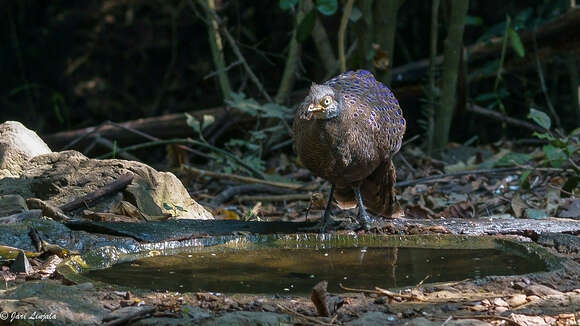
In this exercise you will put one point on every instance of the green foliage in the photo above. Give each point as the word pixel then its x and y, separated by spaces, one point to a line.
pixel 288 4
pixel 473 20
pixel 306 26
pixel 250 150
pixel 327 7
pixel 516 43
pixel 559 149
pixel 250 106
pixel 355 14
pixel 513 158
pixel 541 118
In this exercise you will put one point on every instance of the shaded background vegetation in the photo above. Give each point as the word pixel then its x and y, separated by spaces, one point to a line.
pixel 72 64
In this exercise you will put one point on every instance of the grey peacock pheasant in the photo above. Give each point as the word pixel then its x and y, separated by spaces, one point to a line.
pixel 347 131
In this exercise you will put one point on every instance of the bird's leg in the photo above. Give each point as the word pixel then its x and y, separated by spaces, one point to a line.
pixel 363 217
pixel 326 219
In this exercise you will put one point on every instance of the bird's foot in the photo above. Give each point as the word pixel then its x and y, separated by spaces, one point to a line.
pixel 364 220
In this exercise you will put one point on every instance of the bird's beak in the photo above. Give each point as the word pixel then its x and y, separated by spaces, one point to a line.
pixel 314 108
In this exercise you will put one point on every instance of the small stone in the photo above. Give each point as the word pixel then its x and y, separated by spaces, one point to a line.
pixel 478 307
pixel 532 298
pixel 485 302
pixel 517 300
pixel 499 310
pixel 519 285
pixel 21 264
pixel 500 302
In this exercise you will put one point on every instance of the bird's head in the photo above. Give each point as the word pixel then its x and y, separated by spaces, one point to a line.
pixel 322 103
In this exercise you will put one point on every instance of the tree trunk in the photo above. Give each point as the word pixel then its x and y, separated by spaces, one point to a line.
pixel 452 54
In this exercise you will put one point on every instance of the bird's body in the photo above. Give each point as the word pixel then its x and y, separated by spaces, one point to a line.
pixel 347 131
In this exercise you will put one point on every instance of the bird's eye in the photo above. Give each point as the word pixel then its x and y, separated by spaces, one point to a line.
pixel 326 101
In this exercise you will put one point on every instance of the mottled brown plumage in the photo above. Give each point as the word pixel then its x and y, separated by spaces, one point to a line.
pixel 347 131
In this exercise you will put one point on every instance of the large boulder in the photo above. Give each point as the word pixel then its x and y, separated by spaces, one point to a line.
pixel 60 177
pixel 18 144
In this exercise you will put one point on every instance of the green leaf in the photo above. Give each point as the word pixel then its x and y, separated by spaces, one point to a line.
pixel 473 20
pixel 193 123
pixel 555 156
pixel 306 26
pixel 575 132
pixel 355 14
pixel 327 7
pixel 523 181
pixel 516 42
pixel 544 135
pixel 287 4
pixel 539 117
pixel 513 158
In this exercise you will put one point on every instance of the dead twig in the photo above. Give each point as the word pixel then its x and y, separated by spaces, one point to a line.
pixel 278 198
pixel 504 118
pixel 239 178
pixel 439 177
pixel 236 50
pixel 108 189
pixel 230 192
pixel 543 83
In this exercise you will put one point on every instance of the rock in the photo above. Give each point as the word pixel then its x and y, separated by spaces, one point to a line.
pixel 460 322
pixel 373 318
pixel 500 302
pixel 573 211
pixel 249 318
pixel 21 264
pixel 516 300
pixel 59 304
pixel 541 290
pixel 500 309
pixel 12 204
pixel 18 144
pixel 533 320
pixel 59 178
pixel 532 298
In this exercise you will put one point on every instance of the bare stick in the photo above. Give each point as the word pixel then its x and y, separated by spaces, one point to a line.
pixel 502 117
pixel 239 178
pixel 193 142
pixel 341 32
pixel 275 198
pixel 108 189
pixel 237 51
pixel 455 174
pixel 543 83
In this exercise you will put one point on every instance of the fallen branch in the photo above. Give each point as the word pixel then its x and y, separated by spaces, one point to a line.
pixel 278 198
pixel 239 178
pixel 502 117
pixel 165 126
pixel 91 197
pixel 439 177
pixel 192 142
pixel 230 192
pixel 380 291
